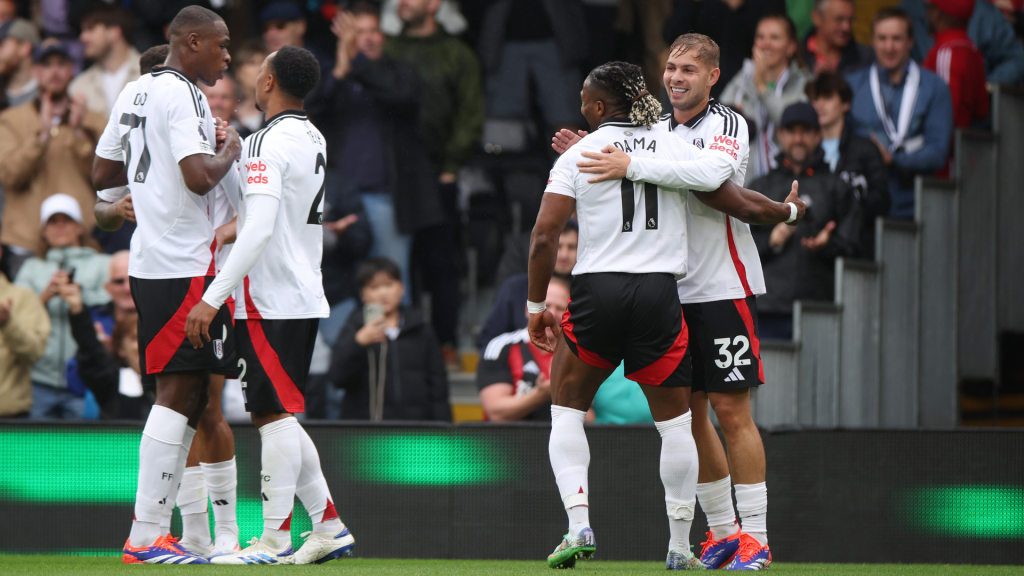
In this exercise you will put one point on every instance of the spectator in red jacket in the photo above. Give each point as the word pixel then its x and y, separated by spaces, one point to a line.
pixel 956 59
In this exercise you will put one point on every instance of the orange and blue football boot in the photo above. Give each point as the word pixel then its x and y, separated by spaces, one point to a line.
pixel 165 550
pixel 751 556
pixel 717 553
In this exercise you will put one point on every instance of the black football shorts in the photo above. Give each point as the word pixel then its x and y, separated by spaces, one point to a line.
pixel 273 362
pixel 724 343
pixel 617 317
pixel 163 305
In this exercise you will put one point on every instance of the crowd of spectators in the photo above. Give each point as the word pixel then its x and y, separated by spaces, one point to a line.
pixel 414 98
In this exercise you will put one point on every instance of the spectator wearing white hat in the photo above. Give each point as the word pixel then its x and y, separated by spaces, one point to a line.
pixel 65 269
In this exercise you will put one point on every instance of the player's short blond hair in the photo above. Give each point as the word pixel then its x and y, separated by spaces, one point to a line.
pixel 706 49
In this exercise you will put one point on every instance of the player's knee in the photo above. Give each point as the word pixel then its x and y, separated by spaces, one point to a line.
pixel 732 411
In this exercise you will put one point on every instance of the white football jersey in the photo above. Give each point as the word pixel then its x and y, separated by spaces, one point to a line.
pixel 287 160
pixel 723 259
pixel 160 119
pixel 626 226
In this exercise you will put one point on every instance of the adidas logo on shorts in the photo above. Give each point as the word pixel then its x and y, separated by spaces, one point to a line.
pixel 734 375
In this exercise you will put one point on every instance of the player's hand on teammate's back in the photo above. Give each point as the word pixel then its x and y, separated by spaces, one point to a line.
pixel 611 164
pixel 564 139
pixel 371 333
pixel 818 242
pixel 197 325
pixel 543 330
pixel 801 206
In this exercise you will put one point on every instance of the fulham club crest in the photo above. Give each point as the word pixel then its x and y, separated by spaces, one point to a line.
pixel 699 143
pixel 218 349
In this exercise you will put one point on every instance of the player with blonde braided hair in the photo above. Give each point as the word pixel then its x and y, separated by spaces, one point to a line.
pixel 625 86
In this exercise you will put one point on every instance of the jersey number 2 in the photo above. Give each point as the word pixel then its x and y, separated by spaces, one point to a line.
pixel 315 215
pixel 650 192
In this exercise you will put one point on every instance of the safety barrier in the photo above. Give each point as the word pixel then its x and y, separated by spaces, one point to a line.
pixel 904 330
pixel 487 491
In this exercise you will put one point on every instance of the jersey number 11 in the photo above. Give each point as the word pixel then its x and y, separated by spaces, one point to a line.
pixel 650 194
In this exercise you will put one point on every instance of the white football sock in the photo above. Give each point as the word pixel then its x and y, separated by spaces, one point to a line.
pixel 312 489
pixel 752 503
pixel 222 483
pixel 679 475
pixel 570 459
pixel 193 503
pixel 158 459
pixel 716 501
pixel 179 473
pixel 282 461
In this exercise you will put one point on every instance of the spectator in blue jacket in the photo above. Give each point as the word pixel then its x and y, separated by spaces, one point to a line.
pixel 914 136
pixel 988 29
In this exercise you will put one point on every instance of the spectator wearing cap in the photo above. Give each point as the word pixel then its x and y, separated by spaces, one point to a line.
pixel 990 31
pixel 957 60
pixel 829 46
pixel 798 261
pixel 450 123
pixel 65 270
pixel 24 330
pixel 507 312
pixel 47 147
pixel 854 158
pixel 17 37
pixel 904 109
pixel 107 41
pixel 284 24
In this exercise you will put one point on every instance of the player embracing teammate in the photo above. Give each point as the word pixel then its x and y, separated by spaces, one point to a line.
pixel 718 298
pixel 624 300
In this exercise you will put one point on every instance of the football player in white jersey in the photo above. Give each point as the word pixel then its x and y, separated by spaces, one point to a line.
pixel 718 297
pixel 624 304
pixel 275 264
pixel 215 478
pixel 170 164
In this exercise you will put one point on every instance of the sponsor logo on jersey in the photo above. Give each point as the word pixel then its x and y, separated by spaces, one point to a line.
pixel 726 144
pixel 699 143
pixel 257 178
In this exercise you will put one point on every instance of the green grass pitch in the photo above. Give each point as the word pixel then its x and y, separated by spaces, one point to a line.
pixel 366 567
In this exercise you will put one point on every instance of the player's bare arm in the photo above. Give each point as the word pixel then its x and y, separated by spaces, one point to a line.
pixel 753 207
pixel 555 210
pixel 202 172
pixel 108 173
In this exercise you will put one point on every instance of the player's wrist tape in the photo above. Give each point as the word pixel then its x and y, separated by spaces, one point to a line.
pixel 536 307
pixel 792 213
